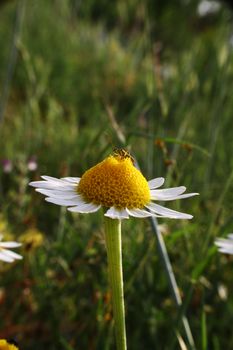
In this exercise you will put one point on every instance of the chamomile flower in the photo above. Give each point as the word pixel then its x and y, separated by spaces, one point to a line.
pixel 4 345
pixel 116 185
pixel 225 245
pixel 6 254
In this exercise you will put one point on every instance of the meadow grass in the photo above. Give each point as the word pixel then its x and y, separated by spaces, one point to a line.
pixel 89 77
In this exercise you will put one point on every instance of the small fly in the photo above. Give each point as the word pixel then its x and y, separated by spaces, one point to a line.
pixel 123 154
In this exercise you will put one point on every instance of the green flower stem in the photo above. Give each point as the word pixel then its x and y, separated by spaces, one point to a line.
pixel 113 245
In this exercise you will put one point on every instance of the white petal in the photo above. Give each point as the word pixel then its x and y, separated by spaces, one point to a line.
pixel 138 213
pixel 85 208
pixel 224 242
pixel 119 214
pixel 5 258
pixel 168 192
pixel 227 250
pixel 59 194
pixel 161 197
pixel 53 185
pixel 38 183
pixel 10 244
pixel 155 183
pixel 225 245
pixel 72 179
pixel 65 202
pixel 53 179
pixel 169 213
pixel 61 184
pixel 11 254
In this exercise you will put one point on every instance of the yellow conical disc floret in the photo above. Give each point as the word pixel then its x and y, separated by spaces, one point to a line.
pixel 115 182
pixel 4 345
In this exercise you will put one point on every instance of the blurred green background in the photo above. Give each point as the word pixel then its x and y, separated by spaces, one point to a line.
pixel 78 78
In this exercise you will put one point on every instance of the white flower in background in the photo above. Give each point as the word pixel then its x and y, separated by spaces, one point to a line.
pixel 207 7
pixel 7 166
pixel 32 164
pixel 6 254
pixel 225 245
pixel 116 185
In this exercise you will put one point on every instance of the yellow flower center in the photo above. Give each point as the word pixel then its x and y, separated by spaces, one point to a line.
pixel 4 345
pixel 115 182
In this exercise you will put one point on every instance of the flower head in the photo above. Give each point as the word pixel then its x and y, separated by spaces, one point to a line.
pixel 7 166
pixel 32 239
pixel 6 254
pixel 225 245
pixel 4 345
pixel 116 185
pixel 32 164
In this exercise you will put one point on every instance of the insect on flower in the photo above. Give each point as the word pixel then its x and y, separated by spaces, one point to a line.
pixel 123 154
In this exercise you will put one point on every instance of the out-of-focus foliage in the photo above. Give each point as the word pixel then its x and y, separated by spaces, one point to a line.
pixel 87 75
